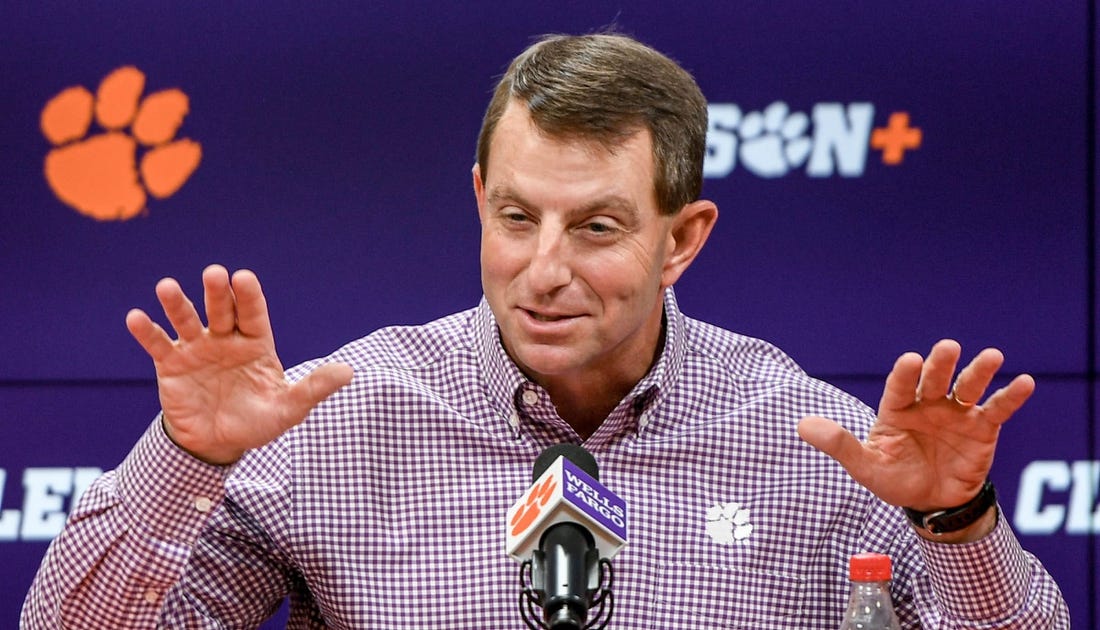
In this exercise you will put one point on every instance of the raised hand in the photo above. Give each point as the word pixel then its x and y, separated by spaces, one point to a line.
pixel 932 445
pixel 221 386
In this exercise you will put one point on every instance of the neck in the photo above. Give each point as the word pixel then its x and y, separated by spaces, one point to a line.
pixel 585 410
pixel 585 400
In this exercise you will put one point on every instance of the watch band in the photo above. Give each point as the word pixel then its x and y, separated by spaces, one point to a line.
pixel 956 518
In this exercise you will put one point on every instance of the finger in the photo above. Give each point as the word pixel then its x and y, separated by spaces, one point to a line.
pixel 252 316
pixel 221 309
pixel 939 369
pixel 152 338
pixel 836 442
pixel 318 385
pixel 900 390
pixel 974 379
pixel 178 308
pixel 1006 401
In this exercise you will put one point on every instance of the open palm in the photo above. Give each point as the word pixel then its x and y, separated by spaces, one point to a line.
pixel 221 386
pixel 932 446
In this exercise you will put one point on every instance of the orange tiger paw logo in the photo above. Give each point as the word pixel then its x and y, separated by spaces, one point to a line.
pixel 99 176
pixel 532 508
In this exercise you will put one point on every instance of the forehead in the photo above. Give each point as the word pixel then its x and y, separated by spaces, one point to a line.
pixel 521 152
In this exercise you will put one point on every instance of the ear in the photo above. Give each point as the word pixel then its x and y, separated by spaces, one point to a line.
pixel 479 191
pixel 688 233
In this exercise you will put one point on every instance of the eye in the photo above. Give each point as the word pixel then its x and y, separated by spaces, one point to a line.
pixel 514 217
pixel 599 227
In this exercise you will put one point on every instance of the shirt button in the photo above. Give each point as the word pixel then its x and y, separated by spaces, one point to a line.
pixel 513 420
pixel 151 596
pixel 203 504
pixel 530 397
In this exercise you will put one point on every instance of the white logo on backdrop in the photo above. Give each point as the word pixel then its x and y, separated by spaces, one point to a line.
pixel 775 141
pixel 48 495
pixel 1056 495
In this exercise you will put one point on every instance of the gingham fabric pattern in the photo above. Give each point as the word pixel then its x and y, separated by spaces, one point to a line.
pixel 386 508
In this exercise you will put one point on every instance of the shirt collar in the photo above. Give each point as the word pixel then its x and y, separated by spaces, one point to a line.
pixel 505 384
pixel 502 378
pixel 648 395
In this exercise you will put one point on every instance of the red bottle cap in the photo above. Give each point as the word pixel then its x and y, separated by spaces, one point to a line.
pixel 869 567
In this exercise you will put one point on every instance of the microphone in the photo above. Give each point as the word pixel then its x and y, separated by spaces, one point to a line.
pixel 564 530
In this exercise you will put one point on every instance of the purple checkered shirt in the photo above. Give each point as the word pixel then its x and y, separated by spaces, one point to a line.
pixel 386 508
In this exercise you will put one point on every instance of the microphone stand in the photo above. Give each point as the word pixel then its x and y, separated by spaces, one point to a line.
pixel 599 602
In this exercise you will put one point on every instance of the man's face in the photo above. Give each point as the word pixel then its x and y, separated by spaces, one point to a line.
pixel 573 253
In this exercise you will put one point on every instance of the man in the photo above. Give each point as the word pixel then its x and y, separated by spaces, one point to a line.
pixel 385 507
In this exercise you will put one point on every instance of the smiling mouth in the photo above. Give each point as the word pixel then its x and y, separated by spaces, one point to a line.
pixel 541 317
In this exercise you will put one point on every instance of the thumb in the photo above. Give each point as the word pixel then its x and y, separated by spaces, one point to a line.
pixel 833 440
pixel 317 386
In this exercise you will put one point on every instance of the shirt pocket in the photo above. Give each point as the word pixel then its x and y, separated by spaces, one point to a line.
pixel 702 597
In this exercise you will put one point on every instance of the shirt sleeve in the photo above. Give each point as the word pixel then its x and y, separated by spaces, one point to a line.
pixel 127 541
pixel 992 583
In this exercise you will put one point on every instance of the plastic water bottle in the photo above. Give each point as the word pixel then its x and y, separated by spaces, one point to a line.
pixel 870 606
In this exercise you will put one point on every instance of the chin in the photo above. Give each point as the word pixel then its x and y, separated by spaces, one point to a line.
pixel 543 361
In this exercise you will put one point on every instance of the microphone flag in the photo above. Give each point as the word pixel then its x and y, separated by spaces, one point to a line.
pixel 565 493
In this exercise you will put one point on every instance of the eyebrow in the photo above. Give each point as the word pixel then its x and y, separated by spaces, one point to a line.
pixel 502 193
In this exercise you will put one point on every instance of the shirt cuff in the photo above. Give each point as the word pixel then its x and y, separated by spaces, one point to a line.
pixel 168 492
pixel 984 579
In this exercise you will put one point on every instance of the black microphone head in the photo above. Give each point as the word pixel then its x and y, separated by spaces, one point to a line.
pixel 574 453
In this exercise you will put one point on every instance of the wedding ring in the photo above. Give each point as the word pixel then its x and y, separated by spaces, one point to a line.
pixel 959 401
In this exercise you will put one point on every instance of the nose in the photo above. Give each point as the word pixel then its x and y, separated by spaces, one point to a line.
pixel 548 269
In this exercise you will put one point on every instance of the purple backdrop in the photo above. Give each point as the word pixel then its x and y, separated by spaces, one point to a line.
pixel 337 143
